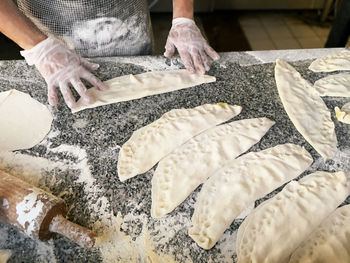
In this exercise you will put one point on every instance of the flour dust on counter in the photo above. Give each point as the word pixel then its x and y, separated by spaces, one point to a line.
pixel 130 87
pixel 24 122
pixel 328 242
pixel 290 215
pixel 334 85
pixel 306 109
pixel 156 140
pixel 100 201
pixel 338 60
pixel 239 183
pixel 184 169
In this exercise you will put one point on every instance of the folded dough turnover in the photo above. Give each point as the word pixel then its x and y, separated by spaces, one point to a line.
pixel 182 171
pixel 153 142
pixel 343 114
pixel 338 60
pixel 306 109
pixel 130 87
pixel 244 180
pixel 329 242
pixel 278 226
pixel 24 122
pixel 334 85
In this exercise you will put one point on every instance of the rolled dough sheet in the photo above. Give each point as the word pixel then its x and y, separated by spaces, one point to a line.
pixel 132 87
pixel 338 60
pixel 306 109
pixel 151 143
pixel 5 254
pixel 273 231
pixel 343 114
pixel 24 122
pixel 238 184
pixel 184 169
pixel 334 85
pixel 329 242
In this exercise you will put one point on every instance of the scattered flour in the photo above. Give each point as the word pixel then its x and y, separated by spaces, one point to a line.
pixel 79 124
pixel 341 162
pixel 28 210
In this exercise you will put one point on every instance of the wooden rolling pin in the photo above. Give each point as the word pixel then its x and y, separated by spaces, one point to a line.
pixel 37 213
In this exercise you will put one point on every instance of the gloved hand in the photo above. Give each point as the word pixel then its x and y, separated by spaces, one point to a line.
pixel 61 67
pixel 192 47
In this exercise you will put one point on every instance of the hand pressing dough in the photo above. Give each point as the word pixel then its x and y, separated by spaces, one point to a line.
pixel 182 171
pixel 343 114
pixel 338 60
pixel 306 109
pixel 278 226
pixel 334 85
pixel 329 242
pixel 244 180
pixel 153 142
pixel 24 122
pixel 132 87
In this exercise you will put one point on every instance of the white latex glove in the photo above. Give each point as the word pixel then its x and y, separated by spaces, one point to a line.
pixel 191 45
pixel 62 67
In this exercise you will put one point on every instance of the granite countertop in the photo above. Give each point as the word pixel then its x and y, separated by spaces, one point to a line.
pixel 78 159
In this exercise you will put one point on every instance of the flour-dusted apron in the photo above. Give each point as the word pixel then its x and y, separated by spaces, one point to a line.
pixel 94 27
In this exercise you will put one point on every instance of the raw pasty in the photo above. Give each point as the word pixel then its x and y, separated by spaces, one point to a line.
pixel 329 242
pixel 334 85
pixel 132 87
pixel 306 109
pixel 151 143
pixel 24 122
pixel 278 226
pixel 241 182
pixel 179 173
pixel 338 60
pixel 343 114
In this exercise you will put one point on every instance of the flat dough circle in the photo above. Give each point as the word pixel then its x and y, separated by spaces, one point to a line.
pixel 24 122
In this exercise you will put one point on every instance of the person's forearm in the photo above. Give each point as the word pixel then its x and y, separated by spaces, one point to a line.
pixel 183 8
pixel 17 27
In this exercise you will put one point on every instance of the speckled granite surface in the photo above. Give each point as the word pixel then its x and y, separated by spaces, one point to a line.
pixel 93 137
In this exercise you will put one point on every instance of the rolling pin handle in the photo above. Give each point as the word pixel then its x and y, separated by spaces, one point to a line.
pixel 74 232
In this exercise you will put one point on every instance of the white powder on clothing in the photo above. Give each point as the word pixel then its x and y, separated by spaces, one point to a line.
pixel 108 36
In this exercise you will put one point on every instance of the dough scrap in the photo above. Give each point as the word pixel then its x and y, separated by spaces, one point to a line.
pixel 153 142
pixel 343 114
pixel 184 169
pixel 24 122
pixel 306 109
pixel 329 242
pixel 278 226
pixel 130 87
pixel 334 85
pixel 5 254
pixel 338 60
pixel 234 187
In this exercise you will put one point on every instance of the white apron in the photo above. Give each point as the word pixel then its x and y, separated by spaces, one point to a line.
pixel 94 28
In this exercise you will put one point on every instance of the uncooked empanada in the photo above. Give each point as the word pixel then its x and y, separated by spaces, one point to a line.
pixel 306 109
pixel 130 87
pixel 334 85
pixel 241 182
pixel 278 226
pixel 179 173
pixel 329 243
pixel 338 60
pixel 151 143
